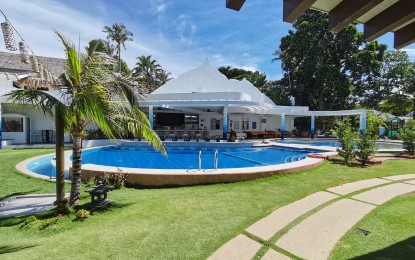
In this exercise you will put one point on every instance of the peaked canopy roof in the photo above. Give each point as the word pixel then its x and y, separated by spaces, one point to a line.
pixel 206 83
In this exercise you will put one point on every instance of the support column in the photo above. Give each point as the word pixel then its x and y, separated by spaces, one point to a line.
pixel 362 122
pixel 312 127
pixel 282 126
pixel 1 130
pixel 225 122
pixel 151 116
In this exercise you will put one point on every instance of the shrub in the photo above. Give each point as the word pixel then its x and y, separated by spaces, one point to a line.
pixel 346 139
pixel 49 222
pixel 62 207
pixel 407 135
pixel 116 179
pixel 29 222
pixel 365 148
pixel 82 214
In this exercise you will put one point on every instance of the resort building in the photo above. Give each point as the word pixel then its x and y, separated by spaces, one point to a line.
pixel 201 104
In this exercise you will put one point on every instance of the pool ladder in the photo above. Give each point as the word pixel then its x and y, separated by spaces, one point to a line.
pixel 294 158
pixel 215 162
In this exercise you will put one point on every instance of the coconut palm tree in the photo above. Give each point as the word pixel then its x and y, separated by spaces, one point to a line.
pixel 149 74
pixel 87 87
pixel 119 34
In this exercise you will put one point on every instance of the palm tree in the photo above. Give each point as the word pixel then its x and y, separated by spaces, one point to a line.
pixel 149 74
pixel 87 87
pixel 119 34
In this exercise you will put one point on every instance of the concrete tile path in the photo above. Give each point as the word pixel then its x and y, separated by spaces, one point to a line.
pixel 315 236
pixel 280 218
pixel 240 247
pixel 26 205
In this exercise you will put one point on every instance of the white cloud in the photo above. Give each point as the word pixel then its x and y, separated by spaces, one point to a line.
pixel 410 52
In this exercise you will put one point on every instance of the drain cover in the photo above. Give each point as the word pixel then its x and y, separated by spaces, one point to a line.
pixel 363 232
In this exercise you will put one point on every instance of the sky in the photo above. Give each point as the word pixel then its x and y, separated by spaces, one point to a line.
pixel 179 34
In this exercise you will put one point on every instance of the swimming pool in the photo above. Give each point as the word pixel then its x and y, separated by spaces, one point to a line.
pixel 179 157
pixel 188 157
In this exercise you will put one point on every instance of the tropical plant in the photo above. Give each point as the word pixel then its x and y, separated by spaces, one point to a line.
pixel 87 87
pixel 372 126
pixel 407 135
pixel 365 148
pixel 346 138
pixel 119 34
pixel 149 74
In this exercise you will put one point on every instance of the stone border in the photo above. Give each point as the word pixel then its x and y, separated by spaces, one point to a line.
pixel 186 177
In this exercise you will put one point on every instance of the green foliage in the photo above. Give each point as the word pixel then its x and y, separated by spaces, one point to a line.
pixel 346 138
pixel 82 214
pixel 365 148
pixel 29 222
pixel 116 179
pixel 407 135
pixel 149 74
pixel 397 104
pixel 317 63
pixel 49 222
pixel 62 207
pixel 372 126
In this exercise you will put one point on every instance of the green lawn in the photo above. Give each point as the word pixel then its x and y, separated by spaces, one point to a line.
pixel 171 223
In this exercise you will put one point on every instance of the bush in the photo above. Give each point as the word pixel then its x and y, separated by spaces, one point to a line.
pixel 116 179
pixel 407 135
pixel 365 148
pixel 346 139
pixel 82 214
pixel 62 207
pixel 29 222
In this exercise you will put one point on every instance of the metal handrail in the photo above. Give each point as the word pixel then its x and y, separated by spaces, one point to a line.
pixel 216 158
pixel 200 160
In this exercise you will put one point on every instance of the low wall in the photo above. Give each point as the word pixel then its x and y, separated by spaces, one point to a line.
pixel 193 177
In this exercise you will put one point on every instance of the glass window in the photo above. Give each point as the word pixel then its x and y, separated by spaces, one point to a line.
pixel 245 125
pixel 236 125
pixel 253 125
pixel 12 124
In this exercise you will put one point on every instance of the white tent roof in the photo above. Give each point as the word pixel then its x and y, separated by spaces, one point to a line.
pixel 213 84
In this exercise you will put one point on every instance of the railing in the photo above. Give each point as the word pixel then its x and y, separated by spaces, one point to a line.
pixel 216 158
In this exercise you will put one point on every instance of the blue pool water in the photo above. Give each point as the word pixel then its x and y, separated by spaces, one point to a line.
pixel 179 158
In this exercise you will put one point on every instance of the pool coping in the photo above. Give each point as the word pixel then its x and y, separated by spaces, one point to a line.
pixel 186 177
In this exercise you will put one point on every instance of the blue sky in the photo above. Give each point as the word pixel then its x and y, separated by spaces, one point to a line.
pixel 179 34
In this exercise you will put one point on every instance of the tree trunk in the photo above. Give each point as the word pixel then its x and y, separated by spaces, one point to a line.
pixel 60 160
pixel 76 168
pixel 320 100
pixel 413 109
pixel 119 58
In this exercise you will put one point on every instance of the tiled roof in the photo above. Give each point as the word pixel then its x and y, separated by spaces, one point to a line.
pixel 10 62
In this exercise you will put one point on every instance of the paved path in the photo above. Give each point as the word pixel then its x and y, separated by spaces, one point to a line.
pixel 24 205
pixel 316 235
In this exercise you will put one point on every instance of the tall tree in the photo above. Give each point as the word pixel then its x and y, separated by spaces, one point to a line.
pixel 257 78
pixel 87 87
pixel 317 64
pixel 149 74
pixel 119 34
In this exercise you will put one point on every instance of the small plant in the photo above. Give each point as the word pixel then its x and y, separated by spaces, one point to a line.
pixel 82 214
pixel 116 179
pixel 365 148
pixel 407 135
pixel 62 207
pixel 29 222
pixel 346 138
pixel 50 222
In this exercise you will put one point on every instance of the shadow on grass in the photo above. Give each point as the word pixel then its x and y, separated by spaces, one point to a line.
pixel 11 249
pixel 401 250
pixel 350 164
pixel 18 193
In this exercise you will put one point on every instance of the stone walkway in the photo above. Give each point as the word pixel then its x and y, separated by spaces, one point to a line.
pixel 316 235
pixel 23 205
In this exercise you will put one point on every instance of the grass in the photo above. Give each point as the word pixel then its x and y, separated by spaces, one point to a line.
pixel 171 223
